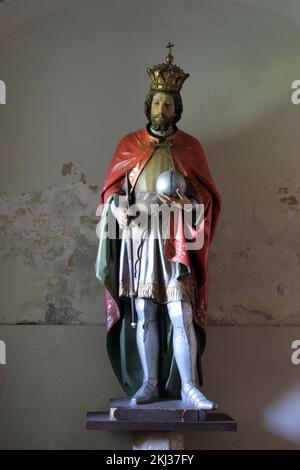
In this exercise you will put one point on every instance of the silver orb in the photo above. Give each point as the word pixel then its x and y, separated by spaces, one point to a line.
pixel 169 181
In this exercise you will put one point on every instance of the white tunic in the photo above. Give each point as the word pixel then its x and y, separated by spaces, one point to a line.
pixel 155 276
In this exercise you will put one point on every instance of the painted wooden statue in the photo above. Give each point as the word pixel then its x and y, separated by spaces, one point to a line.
pixel 155 272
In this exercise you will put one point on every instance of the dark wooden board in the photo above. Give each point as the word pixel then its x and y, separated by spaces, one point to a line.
pixel 213 422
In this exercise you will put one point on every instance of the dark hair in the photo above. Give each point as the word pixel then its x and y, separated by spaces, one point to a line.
pixel 177 102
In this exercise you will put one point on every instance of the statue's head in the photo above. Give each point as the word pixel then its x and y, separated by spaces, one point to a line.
pixel 163 105
pixel 163 109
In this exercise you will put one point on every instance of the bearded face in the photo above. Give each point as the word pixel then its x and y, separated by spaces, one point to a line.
pixel 162 111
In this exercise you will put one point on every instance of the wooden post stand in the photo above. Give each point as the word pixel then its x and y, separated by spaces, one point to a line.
pixel 160 425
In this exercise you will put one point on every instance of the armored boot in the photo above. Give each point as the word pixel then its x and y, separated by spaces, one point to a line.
pixel 148 346
pixel 185 351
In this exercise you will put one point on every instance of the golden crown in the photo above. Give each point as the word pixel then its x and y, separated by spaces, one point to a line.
pixel 167 76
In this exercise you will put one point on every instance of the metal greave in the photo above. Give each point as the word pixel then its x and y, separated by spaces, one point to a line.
pixel 184 340
pixel 147 338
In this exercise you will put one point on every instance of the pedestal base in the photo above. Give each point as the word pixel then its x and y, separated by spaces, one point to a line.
pixel 155 440
pixel 160 425
pixel 121 409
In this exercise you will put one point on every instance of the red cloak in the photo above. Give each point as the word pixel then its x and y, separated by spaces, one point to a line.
pixel 131 155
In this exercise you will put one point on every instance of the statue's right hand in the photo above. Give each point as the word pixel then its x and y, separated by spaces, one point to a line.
pixel 121 216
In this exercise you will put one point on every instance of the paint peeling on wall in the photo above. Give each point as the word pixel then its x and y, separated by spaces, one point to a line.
pixel 48 247
pixel 254 273
pixel 291 200
pixel 68 169
pixel 71 169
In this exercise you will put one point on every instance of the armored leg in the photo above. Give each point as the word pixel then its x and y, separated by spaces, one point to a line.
pixel 185 351
pixel 148 346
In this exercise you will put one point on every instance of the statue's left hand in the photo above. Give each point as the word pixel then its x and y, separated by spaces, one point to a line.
pixel 179 201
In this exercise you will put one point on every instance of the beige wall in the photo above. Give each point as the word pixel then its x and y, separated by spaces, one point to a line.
pixel 76 79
